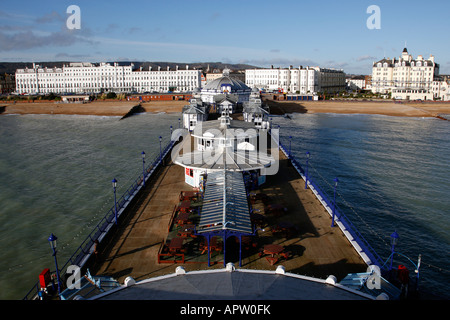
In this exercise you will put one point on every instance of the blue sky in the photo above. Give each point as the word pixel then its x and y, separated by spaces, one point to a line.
pixel 281 33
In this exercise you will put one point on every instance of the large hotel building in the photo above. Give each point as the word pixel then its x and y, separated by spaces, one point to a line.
pixel 405 77
pixel 303 80
pixel 104 77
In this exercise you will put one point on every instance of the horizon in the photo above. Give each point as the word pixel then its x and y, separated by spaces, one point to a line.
pixel 328 34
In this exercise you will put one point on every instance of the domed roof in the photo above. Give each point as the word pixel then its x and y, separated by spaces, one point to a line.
pixel 226 81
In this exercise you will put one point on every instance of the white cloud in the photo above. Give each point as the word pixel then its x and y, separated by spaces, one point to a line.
pixel 366 57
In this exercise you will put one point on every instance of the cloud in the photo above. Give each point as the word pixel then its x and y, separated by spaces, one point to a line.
pixel 50 17
pixel 214 16
pixel 366 57
pixel 279 62
pixel 67 55
pixel 29 39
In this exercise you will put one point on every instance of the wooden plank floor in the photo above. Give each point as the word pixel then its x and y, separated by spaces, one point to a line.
pixel 316 249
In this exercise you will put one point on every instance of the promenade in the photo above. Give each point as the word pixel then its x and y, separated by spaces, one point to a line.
pixel 315 248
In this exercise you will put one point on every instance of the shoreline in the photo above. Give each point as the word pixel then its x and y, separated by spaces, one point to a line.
pixel 121 108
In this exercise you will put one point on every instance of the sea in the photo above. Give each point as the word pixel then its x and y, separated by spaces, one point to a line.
pixel 56 173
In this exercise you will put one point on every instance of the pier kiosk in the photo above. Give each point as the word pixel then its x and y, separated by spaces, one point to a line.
pixel 224 142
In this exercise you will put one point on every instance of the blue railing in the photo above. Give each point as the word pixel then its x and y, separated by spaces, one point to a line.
pixel 84 251
pixel 347 225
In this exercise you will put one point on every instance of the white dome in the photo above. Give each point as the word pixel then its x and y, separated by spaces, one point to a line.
pixel 233 85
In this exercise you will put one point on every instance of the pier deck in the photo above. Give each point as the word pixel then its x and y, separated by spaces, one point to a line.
pixel 316 249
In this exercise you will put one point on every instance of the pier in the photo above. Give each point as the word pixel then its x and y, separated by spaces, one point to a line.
pixel 302 228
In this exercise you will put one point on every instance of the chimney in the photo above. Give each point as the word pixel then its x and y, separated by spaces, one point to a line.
pixel 187 67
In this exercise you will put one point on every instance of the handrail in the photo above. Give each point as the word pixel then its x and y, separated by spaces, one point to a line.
pixel 339 215
pixel 85 249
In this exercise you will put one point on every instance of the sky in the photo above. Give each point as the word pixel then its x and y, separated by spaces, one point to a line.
pixel 329 34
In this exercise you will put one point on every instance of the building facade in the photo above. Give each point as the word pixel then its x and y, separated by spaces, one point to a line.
pixel 7 83
pixel 441 89
pixel 104 77
pixel 405 77
pixel 303 80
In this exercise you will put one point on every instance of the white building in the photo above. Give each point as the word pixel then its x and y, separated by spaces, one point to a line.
pixel 304 80
pixel 163 80
pixel 441 90
pixel 356 83
pixel 405 77
pixel 104 77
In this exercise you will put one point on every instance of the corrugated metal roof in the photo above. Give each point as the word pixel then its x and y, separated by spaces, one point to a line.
pixel 240 160
pixel 225 204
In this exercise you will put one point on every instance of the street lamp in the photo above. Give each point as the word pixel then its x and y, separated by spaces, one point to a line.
pixel 52 239
pixel 143 168
pixel 160 150
pixel 114 184
pixel 306 177
pixel 394 241
pixel 336 180
pixel 290 138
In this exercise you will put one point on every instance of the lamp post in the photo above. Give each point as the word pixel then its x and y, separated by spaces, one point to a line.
pixel 52 239
pixel 160 150
pixel 394 241
pixel 114 184
pixel 336 180
pixel 143 168
pixel 290 139
pixel 306 176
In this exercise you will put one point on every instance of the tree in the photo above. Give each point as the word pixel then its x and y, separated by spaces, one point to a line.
pixel 111 95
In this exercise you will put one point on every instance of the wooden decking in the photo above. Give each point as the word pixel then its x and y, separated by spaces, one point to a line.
pixel 316 249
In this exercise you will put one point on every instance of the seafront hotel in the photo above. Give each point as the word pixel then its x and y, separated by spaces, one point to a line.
pixel 303 80
pixel 104 77
pixel 407 78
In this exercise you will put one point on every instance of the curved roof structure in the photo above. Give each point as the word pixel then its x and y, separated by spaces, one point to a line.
pixel 233 85
pixel 236 284
pixel 219 83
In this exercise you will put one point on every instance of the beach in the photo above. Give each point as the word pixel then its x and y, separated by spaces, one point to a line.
pixel 388 108
pixel 120 108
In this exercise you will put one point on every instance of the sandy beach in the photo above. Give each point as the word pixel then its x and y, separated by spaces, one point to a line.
pixel 96 108
pixel 120 108
pixel 388 108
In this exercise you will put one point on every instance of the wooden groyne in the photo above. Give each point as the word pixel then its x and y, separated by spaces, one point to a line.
pixel 136 109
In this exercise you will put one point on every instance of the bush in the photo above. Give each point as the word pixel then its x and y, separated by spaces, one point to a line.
pixel 111 95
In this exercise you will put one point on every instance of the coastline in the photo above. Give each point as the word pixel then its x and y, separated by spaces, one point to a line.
pixel 387 108
pixel 120 108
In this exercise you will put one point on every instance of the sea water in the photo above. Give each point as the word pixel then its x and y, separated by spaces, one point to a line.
pixel 393 175
pixel 56 172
